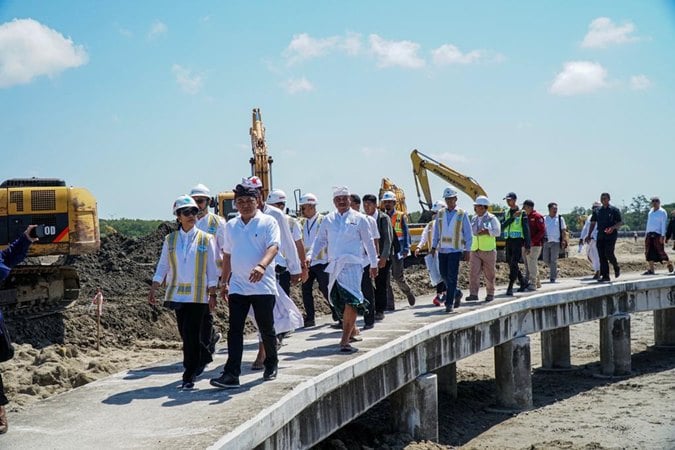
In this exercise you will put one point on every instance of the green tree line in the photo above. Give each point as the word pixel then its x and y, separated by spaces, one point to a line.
pixel 128 227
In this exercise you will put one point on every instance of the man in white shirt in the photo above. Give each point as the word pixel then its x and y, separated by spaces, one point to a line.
pixel 592 248
pixel 345 233
pixel 251 243
pixel 215 226
pixel 555 239
pixel 655 236
pixel 310 222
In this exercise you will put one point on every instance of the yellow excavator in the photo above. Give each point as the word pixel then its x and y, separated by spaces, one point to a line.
pixel 67 224
pixel 261 166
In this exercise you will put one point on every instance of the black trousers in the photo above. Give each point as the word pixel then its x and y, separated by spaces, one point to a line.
pixel 381 287
pixel 3 398
pixel 284 278
pixel 209 332
pixel 606 255
pixel 369 294
pixel 514 250
pixel 263 310
pixel 317 273
pixel 191 321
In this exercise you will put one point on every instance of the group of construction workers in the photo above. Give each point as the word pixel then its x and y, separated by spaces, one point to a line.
pixel 350 253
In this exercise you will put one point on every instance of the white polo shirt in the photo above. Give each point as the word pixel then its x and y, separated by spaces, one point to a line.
pixel 246 243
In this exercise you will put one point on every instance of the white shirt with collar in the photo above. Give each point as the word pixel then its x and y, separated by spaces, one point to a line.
pixel 553 227
pixel 186 248
pixel 310 227
pixel 246 243
pixel 657 221
pixel 288 249
pixel 348 234
pixel 205 224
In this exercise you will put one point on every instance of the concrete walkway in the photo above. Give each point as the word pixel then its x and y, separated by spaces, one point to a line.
pixel 143 408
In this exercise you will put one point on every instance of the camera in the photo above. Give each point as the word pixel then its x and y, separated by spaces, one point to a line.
pixel 37 232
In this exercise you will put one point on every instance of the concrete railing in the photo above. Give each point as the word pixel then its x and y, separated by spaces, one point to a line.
pixel 318 407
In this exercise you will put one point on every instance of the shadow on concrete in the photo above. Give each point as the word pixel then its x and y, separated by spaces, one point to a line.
pixel 177 397
pixel 332 349
pixel 465 418
pixel 144 372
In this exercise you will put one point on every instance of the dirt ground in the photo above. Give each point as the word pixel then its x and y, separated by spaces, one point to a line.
pixel 57 352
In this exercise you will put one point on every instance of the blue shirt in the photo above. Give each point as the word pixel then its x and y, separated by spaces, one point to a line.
pixel 13 255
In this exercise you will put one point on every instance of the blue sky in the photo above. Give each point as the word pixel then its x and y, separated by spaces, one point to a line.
pixel 139 101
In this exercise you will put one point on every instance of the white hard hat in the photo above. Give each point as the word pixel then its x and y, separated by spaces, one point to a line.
pixel 438 205
pixel 308 199
pixel 388 196
pixel 482 200
pixel 449 192
pixel 200 191
pixel 252 182
pixel 184 201
pixel 276 196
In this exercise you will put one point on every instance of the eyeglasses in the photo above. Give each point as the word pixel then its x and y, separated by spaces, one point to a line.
pixel 187 212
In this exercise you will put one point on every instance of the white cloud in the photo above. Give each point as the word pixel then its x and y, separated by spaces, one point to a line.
pixel 372 152
pixel 29 49
pixel 602 32
pixel 395 53
pixel 450 157
pixel 298 85
pixel 303 47
pixel 449 54
pixel 640 82
pixel 188 81
pixel 579 77
pixel 157 29
pixel 125 32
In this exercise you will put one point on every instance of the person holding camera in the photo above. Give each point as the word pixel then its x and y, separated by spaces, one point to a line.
pixel 10 257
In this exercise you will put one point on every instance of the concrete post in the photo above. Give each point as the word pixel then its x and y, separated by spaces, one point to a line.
pixel 664 328
pixel 415 408
pixel 447 380
pixel 513 374
pixel 615 355
pixel 555 348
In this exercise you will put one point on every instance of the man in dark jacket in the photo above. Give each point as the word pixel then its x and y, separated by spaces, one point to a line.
pixel 384 252
pixel 517 235
pixel 10 257
pixel 608 220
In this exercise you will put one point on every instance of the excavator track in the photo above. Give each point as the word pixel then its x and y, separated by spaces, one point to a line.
pixel 39 290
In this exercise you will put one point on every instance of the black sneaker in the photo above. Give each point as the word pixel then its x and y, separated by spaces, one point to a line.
pixel 489 298
pixel 310 323
pixel 187 385
pixel 368 326
pixel 603 280
pixel 617 271
pixel 458 298
pixel 472 298
pixel 509 292
pixel 270 374
pixel 522 288
pixel 225 381
pixel 448 309
pixel 379 316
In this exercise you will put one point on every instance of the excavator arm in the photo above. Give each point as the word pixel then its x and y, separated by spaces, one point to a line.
pixel 261 162
pixel 422 164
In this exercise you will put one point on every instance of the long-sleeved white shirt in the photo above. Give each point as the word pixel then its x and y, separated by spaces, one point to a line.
pixel 214 225
pixel 187 248
pixel 657 221
pixel 310 228
pixel 346 235
pixel 287 248
pixel 587 226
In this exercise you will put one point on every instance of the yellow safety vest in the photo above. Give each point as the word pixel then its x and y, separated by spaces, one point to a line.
pixel 457 239
pixel 303 220
pixel 484 242
pixel 515 229
pixel 198 287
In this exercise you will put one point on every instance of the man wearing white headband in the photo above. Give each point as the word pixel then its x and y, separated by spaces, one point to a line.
pixel 345 233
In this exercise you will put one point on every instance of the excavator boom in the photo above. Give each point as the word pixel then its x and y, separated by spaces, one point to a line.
pixel 261 162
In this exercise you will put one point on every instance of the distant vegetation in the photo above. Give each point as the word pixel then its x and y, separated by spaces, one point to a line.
pixel 128 227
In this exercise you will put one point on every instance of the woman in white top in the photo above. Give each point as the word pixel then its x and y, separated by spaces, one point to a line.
pixel 188 267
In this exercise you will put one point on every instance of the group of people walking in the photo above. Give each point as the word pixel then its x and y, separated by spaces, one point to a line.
pixel 352 255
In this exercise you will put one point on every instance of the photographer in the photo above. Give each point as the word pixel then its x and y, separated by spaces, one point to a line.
pixel 10 257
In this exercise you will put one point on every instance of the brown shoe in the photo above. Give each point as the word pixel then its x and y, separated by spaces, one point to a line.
pixel 4 426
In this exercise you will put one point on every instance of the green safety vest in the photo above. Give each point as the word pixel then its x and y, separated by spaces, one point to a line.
pixel 515 230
